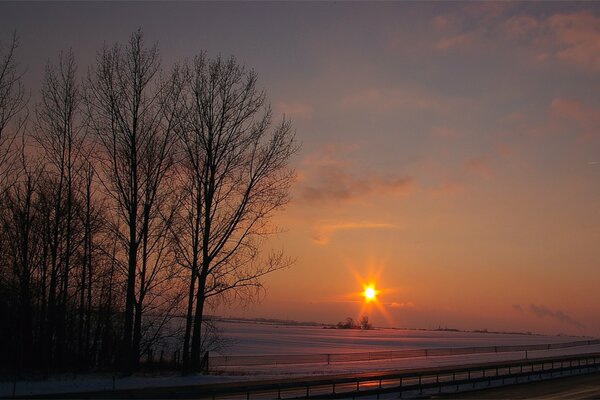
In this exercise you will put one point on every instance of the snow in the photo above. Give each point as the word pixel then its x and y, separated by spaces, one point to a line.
pixel 264 339
pixel 246 338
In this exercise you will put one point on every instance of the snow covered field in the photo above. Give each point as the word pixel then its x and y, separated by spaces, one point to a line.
pixel 245 338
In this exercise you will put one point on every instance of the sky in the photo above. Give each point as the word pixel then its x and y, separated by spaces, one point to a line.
pixel 450 150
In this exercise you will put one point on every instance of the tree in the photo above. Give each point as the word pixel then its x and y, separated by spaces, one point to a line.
pixel 59 134
pixel 12 102
pixel 126 105
pixel 235 176
pixel 21 224
pixel 364 323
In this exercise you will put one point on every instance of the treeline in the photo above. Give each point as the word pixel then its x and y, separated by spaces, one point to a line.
pixel 130 194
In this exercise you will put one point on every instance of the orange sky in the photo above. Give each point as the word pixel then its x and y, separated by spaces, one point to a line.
pixel 451 149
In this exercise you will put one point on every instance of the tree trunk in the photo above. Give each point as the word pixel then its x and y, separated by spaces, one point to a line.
pixel 127 355
pixel 198 317
pixel 189 321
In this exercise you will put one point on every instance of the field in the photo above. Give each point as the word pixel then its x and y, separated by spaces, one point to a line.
pixel 258 339
pixel 248 338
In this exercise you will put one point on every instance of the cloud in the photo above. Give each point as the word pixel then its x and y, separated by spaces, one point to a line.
pixel 586 118
pixel 541 311
pixel 406 304
pixel 569 37
pixel 479 166
pixel 448 188
pixel 328 179
pixel 573 38
pixel 503 150
pixel 390 100
pixel 578 38
pixel 443 22
pixel 323 232
pixel 294 109
pixel 462 40
pixel 445 132
pixel 521 25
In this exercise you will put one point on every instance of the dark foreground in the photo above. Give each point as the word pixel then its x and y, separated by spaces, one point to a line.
pixel 570 387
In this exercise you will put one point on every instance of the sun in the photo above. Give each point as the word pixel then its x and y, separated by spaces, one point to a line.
pixel 370 293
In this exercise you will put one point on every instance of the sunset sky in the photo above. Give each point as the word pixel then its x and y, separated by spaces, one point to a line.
pixel 450 151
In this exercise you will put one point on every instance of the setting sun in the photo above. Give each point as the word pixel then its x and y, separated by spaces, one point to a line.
pixel 370 293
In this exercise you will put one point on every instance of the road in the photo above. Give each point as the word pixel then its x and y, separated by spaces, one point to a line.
pixel 570 387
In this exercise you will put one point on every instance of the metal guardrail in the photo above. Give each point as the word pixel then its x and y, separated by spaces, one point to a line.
pixel 241 361
pixel 375 384
pixel 368 384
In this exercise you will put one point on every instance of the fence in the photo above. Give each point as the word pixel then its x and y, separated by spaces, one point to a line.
pixel 238 361
pixel 430 381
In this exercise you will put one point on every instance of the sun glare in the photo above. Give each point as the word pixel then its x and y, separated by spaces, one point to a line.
pixel 370 293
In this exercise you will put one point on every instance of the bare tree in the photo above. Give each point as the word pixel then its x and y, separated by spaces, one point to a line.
pixel 235 175
pixel 21 224
pixel 126 108
pixel 12 102
pixel 59 134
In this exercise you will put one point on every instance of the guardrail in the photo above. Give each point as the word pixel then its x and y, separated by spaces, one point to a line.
pixel 231 361
pixel 417 381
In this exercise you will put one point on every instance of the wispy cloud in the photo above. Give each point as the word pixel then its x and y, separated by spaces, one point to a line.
pixel 294 109
pixel 578 38
pixel 570 110
pixel 328 179
pixel 573 38
pixel 479 166
pixel 462 40
pixel 448 188
pixel 405 304
pixel 569 37
pixel 322 232
pixel 381 100
pixel 541 311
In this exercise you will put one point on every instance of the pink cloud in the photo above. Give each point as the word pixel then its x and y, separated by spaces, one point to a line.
pixel 503 150
pixel 444 132
pixel 462 40
pixel 322 232
pixel 479 166
pixel 405 304
pixel 449 188
pixel 585 117
pixel 521 25
pixel 386 100
pixel 573 38
pixel 571 109
pixel 326 178
pixel 578 38
pixel 294 109
pixel 443 22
